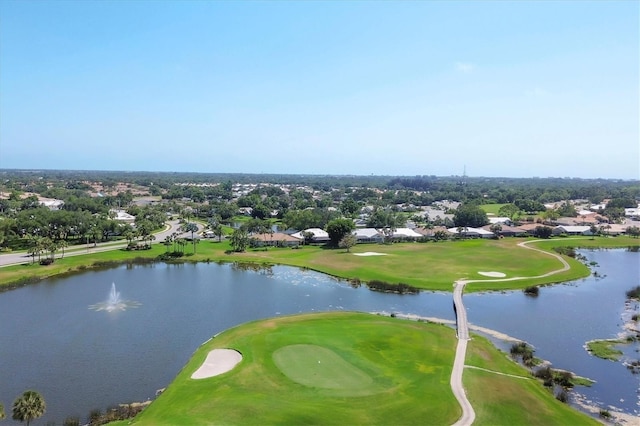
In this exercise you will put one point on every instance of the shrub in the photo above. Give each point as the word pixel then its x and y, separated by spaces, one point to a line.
pixel 532 291
pixel 634 293
pixel 562 396
pixel 563 378
pixel 605 414
pixel 47 261
pixel 400 288
pixel 71 421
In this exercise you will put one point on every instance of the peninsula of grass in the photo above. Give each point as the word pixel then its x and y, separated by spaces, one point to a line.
pixel 308 369
pixel 328 368
pixel 428 266
pixel 605 349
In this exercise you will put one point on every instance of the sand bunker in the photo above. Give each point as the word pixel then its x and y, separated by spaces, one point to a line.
pixel 370 253
pixel 218 361
pixel 493 274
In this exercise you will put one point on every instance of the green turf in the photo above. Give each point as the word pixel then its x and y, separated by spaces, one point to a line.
pixel 397 372
pixel 320 367
pixel 504 400
pixel 605 349
pixel 432 266
pixel 492 208
pixel 405 365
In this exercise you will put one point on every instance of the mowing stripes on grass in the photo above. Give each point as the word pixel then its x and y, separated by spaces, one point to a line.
pixel 317 366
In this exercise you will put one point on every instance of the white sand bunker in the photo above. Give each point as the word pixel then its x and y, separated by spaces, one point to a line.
pixel 493 274
pixel 218 361
pixel 370 253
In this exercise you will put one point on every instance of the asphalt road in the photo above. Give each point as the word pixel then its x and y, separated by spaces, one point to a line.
pixel 22 257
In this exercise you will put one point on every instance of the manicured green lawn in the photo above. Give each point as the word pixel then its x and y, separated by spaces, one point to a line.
pixel 329 368
pixel 352 368
pixel 492 208
pixel 432 266
pixel 504 400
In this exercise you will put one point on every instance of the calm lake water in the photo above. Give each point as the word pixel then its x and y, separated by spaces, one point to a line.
pixel 81 359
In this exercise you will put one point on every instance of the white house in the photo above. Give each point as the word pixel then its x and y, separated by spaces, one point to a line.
pixel 572 230
pixel 406 234
pixel 122 216
pixel 319 235
pixel 500 220
pixel 632 212
pixel 472 232
pixel 368 235
pixel 51 203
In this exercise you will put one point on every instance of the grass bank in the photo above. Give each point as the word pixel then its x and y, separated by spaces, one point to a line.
pixel 392 372
pixel 504 400
pixel 429 266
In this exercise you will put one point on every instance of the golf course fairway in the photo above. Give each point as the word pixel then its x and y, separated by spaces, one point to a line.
pixel 343 368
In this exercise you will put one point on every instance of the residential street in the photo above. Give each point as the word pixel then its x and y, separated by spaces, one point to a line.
pixel 22 257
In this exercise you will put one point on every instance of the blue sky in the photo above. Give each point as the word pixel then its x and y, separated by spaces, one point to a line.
pixel 515 89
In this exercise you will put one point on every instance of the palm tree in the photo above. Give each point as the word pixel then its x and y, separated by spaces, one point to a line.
pixel 191 227
pixel 28 406
pixel 62 244
pixel 167 242
pixel 218 232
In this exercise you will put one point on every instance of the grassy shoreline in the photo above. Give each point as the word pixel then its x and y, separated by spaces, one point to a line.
pixel 427 266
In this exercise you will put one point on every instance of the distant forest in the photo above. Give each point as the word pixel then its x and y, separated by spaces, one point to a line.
pixel 457 188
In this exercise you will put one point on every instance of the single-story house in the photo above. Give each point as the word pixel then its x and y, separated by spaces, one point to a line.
pixel 277 239
pixel 501 220
pixel 614 229
pixel 122 216
pixel 508 231
pixel 406 234
pixel 319 235
pixel 368 235
pixel 472 232
pixel 572 230
pixel 632 212
pixel 530 228
pixel 51 203
pixel 429 232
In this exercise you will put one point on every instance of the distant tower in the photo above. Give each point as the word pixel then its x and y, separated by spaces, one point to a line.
pixel 463 180
pixel 462 183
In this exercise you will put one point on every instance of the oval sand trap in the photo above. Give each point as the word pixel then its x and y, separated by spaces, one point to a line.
pixel 370 253
pixel 493 274
pixel 218 361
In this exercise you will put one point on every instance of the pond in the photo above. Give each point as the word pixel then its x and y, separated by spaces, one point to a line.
pixel 81 358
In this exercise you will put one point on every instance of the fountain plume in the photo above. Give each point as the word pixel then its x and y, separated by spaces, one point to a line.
pixel 114 302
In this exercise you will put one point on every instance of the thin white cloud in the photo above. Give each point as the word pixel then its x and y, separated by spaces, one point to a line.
pixel 465 67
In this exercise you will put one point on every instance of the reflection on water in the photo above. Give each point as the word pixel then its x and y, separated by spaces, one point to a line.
pixel 80 361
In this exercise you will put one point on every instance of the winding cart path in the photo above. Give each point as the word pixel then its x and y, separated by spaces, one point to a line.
pixel 468 414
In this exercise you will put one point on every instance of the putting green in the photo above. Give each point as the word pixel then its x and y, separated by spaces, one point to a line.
pixel 320 367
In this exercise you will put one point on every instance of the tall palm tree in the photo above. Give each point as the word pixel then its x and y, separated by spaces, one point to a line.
pixel 28 406
pixel 191 227
pixel 218 232
pixel 62 244
pixel 168 241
